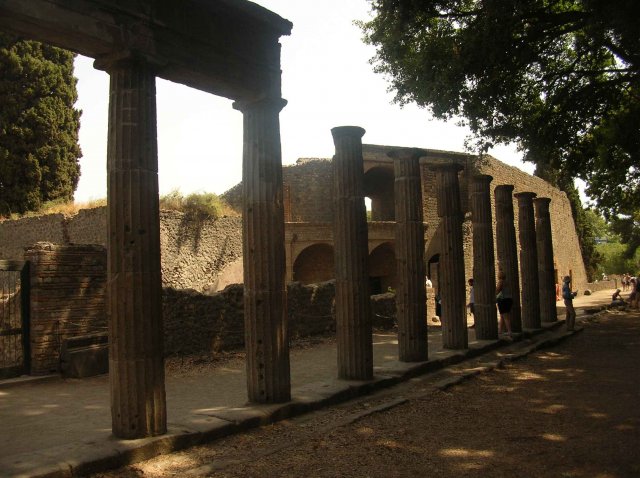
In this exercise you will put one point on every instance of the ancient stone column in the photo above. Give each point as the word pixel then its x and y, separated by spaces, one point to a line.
pixel 409 248
pixel 484 269
pixel 452 282
pixel 134 282
pixel 530 306
pixel 507 248
pixel 353 308
pixel 546 273
pixel 265 311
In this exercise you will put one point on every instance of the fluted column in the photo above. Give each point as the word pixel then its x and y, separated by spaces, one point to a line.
pixel 507 248
pixel 544 241
pixel 452 282
pixel 353 308
pixel 409 245
pixel 484 269
pixel 528 261
pixel 265 312
pixel 134 284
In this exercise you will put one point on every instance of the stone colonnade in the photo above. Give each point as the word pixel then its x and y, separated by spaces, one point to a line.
pixel 484 269
pixel 134 282
pixel 411 297
pixel 452 281
pixel 528 261
pixel 138 404
pixel 353 308
pixel 544 242
pixel 508 250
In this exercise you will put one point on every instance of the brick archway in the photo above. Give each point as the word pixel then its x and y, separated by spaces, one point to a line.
pixel 378 186
pixel 382 268
pixel 314 264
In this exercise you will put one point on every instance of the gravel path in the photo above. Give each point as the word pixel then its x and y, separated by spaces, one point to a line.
pixel 570 411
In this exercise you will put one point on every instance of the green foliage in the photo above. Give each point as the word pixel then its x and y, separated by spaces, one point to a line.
pixel 560 78
pixel 39 126
pixel 197 206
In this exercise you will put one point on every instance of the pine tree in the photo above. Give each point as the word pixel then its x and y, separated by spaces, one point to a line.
pixel 39 125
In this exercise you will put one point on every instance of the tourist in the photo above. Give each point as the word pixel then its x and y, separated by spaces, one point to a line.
pixel 616 299
pixel 438 301
pixel 471 300
pixel 505 302
pixel 568 295
pixel 428 284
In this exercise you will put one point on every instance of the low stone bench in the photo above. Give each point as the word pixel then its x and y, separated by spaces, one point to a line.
pixel 85 355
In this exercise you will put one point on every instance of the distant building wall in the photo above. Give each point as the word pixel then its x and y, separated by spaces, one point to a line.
pixel 193 252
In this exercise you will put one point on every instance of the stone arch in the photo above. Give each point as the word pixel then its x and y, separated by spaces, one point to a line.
pixel 382 268
pixel 314 264
pixel 378 186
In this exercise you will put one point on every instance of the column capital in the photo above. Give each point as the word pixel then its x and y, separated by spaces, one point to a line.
pixel 407 153
pixel 342 131
pixel 273 103
pixel 525 195
pixel 482 178
pixel 542 202
pixel 127 59
pixel 446 166
pixel 504 188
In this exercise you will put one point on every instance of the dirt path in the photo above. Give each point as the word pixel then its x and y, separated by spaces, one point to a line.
pixel 570 411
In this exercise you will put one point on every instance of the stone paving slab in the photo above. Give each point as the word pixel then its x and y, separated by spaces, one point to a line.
pixel 62 428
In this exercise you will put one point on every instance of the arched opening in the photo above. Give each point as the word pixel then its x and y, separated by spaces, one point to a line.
pixel 433 271
pixel 378 186
pixel 314 264
pixel 382 268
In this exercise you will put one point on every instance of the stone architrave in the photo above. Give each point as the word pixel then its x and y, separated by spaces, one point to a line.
pixel 409 247
pixel 452 282
pixel 484 269
pixel 134 282
pixel 265 312
pixel 350 236
pixel 507 248
pixel 544 240
pixel 528 261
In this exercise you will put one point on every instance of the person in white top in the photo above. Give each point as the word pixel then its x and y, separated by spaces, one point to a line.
pixel 428 283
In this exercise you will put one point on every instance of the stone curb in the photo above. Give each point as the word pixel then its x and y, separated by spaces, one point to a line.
pixel 72 460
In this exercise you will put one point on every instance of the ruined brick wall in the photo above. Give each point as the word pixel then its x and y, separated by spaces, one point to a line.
pixel 67 298
pixel 15 236
pixel 308 191
pixel 198 323
pixel 193 252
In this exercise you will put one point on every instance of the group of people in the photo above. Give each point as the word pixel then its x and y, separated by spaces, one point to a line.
pixel 504 301
pixel 631 284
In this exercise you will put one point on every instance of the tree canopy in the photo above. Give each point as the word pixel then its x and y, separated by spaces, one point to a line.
pixel 39 126
pixel 560 78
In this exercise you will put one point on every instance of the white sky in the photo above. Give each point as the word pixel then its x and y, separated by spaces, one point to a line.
pixel 327 81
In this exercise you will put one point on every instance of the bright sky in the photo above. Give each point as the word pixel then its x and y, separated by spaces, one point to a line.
pixel 327 81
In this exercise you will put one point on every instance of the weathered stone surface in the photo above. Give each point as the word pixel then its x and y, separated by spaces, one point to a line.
pixel 452 280
pixel 484 271
pixel 409 248
pixel 528 261
pixel 508 249
pixel 353 310
pixel 546 272
pixel 138 404
pixel 266 338
pixel 67 298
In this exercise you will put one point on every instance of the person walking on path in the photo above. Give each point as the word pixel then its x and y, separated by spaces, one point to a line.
pixel 505 302
pixel 568 295
pixel 472 300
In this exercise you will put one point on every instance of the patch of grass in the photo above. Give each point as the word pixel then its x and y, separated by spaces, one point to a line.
pixel 198 206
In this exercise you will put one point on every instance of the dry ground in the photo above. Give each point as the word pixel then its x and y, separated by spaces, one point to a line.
pixel 570 411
